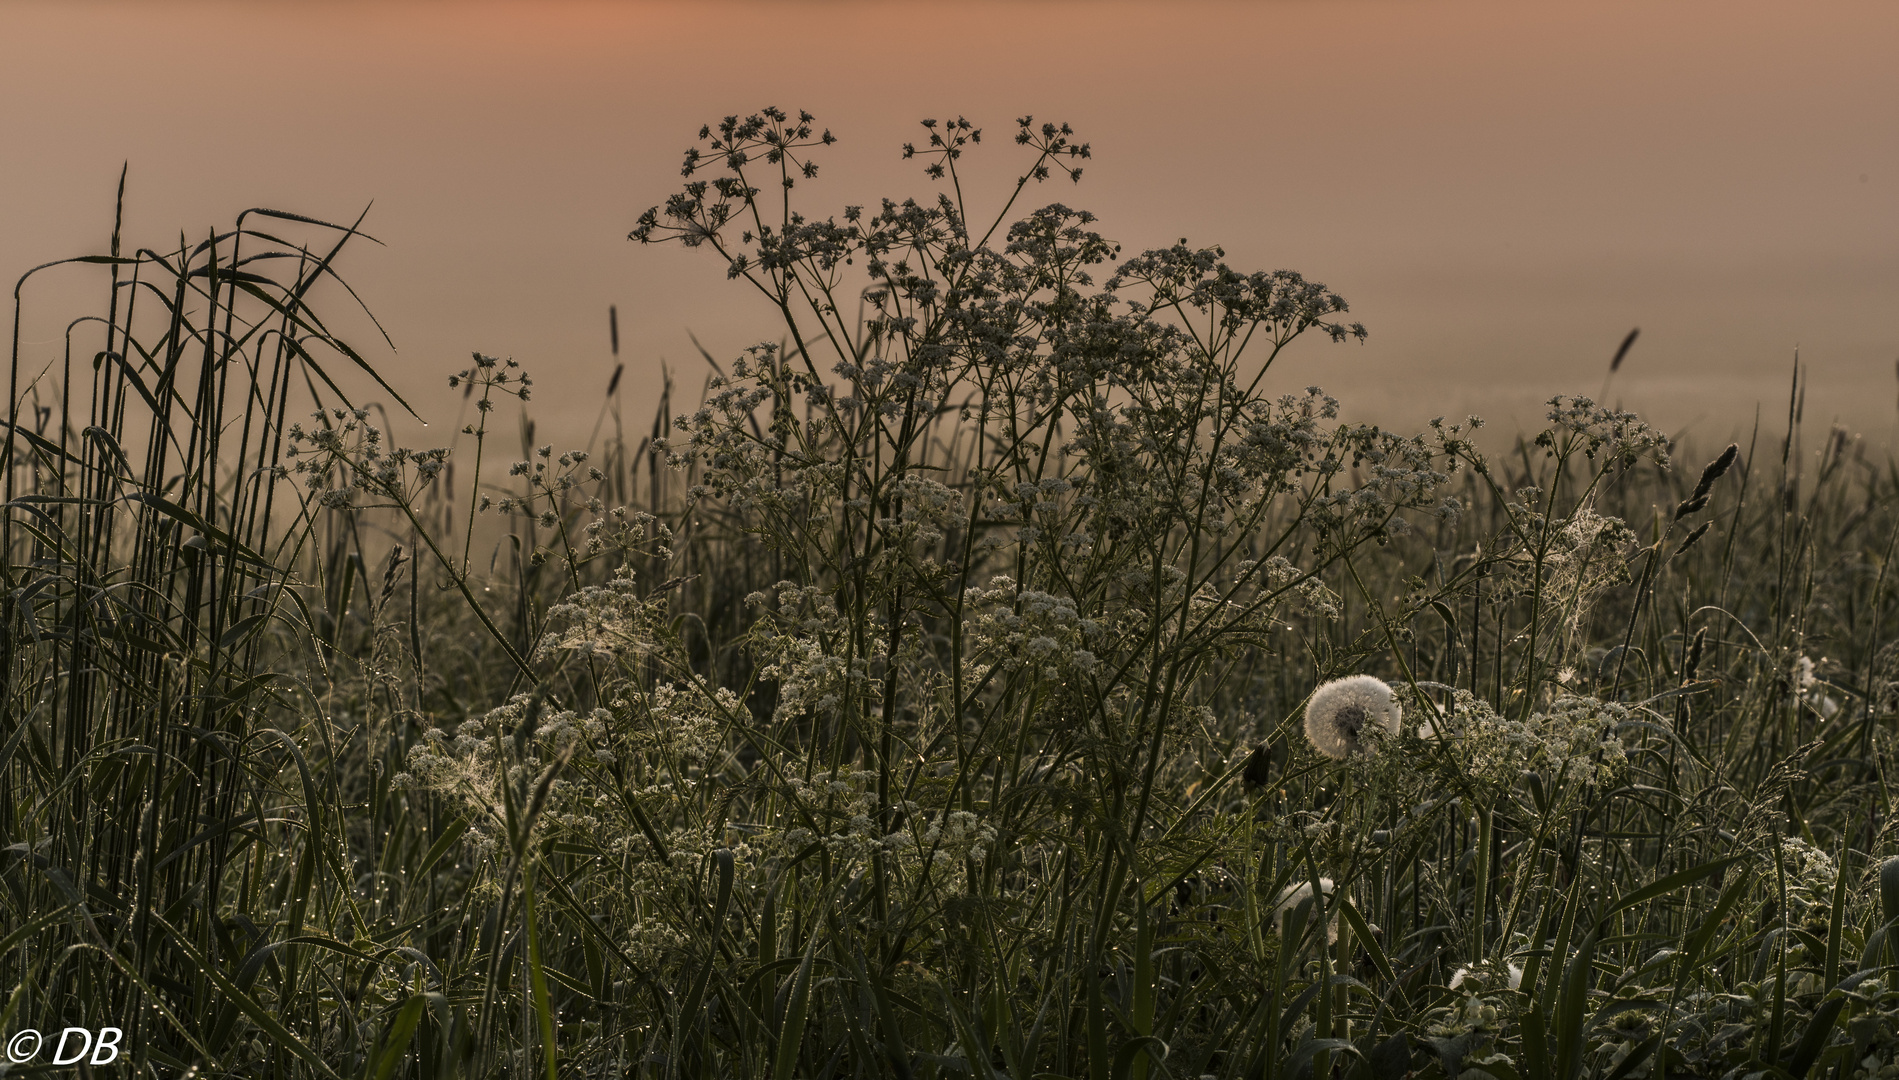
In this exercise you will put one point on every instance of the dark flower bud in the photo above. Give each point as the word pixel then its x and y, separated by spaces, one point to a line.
pixel 1259 768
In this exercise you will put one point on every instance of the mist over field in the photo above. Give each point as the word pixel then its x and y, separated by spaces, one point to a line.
pixel 1500 191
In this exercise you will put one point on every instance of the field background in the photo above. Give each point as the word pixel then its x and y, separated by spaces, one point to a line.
pixel 951 693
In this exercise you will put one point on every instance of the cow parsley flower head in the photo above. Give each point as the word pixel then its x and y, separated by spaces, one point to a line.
pixel 1343 708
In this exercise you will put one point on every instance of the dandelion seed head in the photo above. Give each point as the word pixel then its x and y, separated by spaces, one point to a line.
pixel 1484 975
pixel 1803 676
pixel 1343 709
pixel 1292 896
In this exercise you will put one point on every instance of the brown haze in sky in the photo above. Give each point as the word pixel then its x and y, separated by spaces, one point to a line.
pixel 1500 189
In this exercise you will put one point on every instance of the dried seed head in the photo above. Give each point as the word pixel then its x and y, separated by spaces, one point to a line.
pixel 1690 505
pixel 1694 655
pixel 1693 538
pixel 1716 469
pixel 1622 351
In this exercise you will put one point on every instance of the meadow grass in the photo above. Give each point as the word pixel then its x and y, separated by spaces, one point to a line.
pixel 935 698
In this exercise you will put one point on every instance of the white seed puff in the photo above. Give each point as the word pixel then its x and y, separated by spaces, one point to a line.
pixel 1482 976
pixel 1342 708
pixel 1292 896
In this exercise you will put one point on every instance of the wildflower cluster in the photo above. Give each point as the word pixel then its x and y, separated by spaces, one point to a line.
pixel 1615 436
pixel 800 644
pixel 1312 595
pixel 672 735
pixel 967 724
pixel 492 376
pixel 1576 738
pixel 610 620
pixel 686 723
pixel 1026 629
pixel 1586 555
pixel 545 486
pixel 341 455
pixel 698 214
pixel 552 499
pixel 1282 303
pixel 556 491
pixel 1810 875
pixel 927 847
pixel 512 745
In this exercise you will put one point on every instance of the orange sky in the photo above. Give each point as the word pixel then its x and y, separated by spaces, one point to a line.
pixel 1500 189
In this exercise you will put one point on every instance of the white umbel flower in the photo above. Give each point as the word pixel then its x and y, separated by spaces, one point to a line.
pixel 1343 708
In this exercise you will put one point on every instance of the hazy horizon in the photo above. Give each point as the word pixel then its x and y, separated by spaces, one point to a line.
pixel 1501 191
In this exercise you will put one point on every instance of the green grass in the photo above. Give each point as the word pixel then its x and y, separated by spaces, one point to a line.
pixel 929 700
